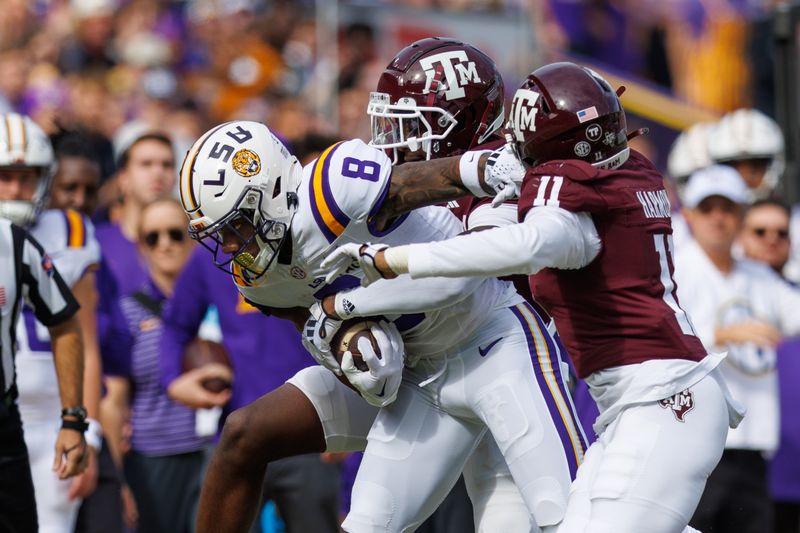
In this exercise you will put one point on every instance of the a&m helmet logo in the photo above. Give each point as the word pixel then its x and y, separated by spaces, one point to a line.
pixel 523 113
pixel 680 403
pixel 246 163
pixel 457 69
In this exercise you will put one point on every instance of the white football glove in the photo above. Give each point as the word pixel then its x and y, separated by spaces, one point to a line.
pixel 348 255
pixel 504 173
pixel 379 385
pixel 318 333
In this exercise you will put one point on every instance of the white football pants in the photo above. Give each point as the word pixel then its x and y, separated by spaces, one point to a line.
pixel 507 380
pixel 647 470
pixel 40 409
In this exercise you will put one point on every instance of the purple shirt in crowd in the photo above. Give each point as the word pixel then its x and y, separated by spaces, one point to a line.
pixel 264 351
pixel 160 425
pixel 122 258
pixel 784 469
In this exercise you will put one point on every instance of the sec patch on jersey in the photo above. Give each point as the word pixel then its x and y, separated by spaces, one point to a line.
pixel 347 339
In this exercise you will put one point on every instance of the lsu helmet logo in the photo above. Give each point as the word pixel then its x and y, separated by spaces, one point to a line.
pixel 246 163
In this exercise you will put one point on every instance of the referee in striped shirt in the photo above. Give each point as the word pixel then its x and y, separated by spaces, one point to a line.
pixel 26 272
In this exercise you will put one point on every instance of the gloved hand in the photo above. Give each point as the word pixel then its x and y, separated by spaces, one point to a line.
pixel 379 385
pixel 347 255
pixel 318 333
pixel 504 172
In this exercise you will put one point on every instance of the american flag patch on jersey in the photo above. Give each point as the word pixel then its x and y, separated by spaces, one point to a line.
pixel 587 114
pixel 2 296
pixel 47 264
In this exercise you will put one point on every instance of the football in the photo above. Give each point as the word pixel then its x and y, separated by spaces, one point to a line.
pixel 347 339
pixel 201 352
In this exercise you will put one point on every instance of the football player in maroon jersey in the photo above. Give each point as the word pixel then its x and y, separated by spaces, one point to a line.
pixel 596 239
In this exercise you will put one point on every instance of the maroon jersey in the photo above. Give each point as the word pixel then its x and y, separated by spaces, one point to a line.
pixel 622 308
pixel 463 208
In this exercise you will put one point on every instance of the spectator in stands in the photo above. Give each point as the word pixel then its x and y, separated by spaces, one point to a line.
pixel 165 461
pixel 741 307
pixel 146 173
pixel 765 238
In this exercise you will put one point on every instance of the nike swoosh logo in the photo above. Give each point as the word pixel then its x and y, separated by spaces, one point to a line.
pixel 484 351
pixel 383 390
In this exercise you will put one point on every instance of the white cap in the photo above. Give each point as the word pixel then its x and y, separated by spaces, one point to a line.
pixel 716 180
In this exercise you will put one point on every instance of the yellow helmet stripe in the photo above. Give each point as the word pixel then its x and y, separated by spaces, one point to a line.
pixel 187 174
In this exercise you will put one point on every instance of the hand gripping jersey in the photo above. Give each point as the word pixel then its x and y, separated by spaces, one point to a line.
pixel 68 238
pixel 622 308
pixel 340 193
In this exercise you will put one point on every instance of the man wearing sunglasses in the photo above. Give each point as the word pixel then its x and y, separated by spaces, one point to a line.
pixel 742 307
pixel 765 233
pixel 765 238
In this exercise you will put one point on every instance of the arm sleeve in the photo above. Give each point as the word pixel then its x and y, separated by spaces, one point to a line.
pixel 182 316
pixel 403 295
pixel 42 286
pixel 548 237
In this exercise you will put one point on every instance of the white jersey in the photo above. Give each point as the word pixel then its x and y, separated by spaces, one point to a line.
pixel 338 197
pixel 26 274
pixel 750 291
pixel 68 238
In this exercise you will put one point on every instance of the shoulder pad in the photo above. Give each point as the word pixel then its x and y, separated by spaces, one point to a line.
pixel 571 168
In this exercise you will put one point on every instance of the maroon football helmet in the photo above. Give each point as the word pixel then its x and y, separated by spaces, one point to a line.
pixel 439 95
pixel 565 111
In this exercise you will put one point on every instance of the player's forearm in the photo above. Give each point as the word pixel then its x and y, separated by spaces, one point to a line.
pixel 425 183
pixel 68 358
pixel 546 239
pixel 403 295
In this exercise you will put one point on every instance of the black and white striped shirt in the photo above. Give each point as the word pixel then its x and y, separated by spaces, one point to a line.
pixel 26 272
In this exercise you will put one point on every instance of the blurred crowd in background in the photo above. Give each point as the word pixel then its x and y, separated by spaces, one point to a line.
pixel 110 67
pixel 106 79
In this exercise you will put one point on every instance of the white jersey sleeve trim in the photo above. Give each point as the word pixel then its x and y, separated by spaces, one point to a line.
pixel 348 184
pixel 549 237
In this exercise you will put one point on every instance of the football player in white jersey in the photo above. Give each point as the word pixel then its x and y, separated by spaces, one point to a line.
pixel 26 165
pixel 468 343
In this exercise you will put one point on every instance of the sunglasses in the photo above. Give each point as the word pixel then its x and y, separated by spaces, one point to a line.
pixel 151 238
pixel 782 234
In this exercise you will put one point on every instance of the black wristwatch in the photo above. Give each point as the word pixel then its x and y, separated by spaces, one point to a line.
pixel 79 413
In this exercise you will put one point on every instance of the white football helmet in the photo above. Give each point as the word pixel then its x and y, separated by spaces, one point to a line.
pixel 24 145
pixel 689 152
pixel 749 134
pixel 240 173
